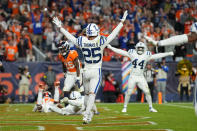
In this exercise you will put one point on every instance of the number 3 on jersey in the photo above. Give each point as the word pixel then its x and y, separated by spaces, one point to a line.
pixel 91 55
pixel 135 63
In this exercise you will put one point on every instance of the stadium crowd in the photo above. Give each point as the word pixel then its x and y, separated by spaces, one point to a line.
pixel 24 23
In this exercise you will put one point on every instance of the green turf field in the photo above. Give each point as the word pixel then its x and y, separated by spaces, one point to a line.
pixel 170 116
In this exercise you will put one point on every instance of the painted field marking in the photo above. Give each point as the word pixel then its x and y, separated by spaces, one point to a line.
pixel 40 128
pixel 180 106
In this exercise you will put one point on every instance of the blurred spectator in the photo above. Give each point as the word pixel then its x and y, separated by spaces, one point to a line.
pixel 150 77
pixel 50 35
pixel 109 90
pixel 30 56
pixel 49 79
pixel 49 57
pixel 106 56
pixel 11 51
pixel 24 83
pixel 161 77
pixel 22 49
pixel 37 19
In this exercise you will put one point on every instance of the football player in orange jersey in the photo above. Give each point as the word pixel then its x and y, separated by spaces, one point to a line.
pixel 71 67
pixel 45 101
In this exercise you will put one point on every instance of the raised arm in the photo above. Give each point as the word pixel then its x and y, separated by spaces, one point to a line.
pixel 161 55
pixel 68 35
pixel 117 29
pixel 119 51
pixel 174 40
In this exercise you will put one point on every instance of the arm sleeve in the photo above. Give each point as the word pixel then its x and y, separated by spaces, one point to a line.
pixel 159 55
pixel 175 40
pixel 69 36
pixel 119 51
pixel 114 33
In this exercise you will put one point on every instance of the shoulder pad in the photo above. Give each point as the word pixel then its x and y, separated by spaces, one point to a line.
pixel 131 51
pixel 79 41
pixel 148 53
pixel 103 39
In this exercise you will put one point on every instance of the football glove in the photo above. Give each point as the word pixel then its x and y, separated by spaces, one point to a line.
pixel 57 22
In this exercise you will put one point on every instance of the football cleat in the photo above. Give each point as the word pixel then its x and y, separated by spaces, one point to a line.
pixel 152 110
pixel 124 110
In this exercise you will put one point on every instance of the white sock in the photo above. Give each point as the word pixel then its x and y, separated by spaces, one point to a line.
pixel 86 100
pixel 57 94
pixel 90 104
pixel 39 99
pixel 149 100
pixel 127 98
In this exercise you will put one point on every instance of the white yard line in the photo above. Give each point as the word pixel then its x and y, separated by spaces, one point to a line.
pixel 180 106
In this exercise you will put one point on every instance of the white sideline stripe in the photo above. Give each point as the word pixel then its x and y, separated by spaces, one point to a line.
pixel 16 109
pixel 41 128
pixel 186 107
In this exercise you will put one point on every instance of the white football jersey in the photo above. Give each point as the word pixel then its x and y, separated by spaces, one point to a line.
pixel 92 50
pixel 138 62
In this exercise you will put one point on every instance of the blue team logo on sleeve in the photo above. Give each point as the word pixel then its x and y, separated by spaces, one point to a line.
pixel 79 41
pixel 103 39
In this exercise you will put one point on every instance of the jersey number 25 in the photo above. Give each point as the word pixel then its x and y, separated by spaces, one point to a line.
pixel 90 54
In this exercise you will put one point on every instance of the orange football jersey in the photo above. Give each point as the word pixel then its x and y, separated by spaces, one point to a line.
pixel 69 61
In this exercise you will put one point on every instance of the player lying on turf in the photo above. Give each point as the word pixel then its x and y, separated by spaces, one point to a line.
pixel 75 105
pixel 139 57
pixel 177 40
pixel 92 48
pixel 45 101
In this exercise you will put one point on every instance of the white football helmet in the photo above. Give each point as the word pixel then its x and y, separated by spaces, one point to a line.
pixel 92 30
pixel 74 95
pixel 193 28
pixel 140 48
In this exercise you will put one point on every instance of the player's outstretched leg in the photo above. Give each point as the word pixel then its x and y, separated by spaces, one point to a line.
pixel 127 98
pixel 88 113
pixel 131 86
pixel 149 100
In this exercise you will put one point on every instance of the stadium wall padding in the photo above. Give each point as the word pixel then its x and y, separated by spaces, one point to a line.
pixel 10 77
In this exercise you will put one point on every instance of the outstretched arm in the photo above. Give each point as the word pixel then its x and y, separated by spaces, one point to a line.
pixel 119 51
pixel 161 55
pixel 117 29
pixel 68 35
pixel 174 40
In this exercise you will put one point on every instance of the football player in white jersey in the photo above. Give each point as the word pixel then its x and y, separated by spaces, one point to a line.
pixel 139 57
pixel 92 48
pixel 75 105
pixel 178 39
